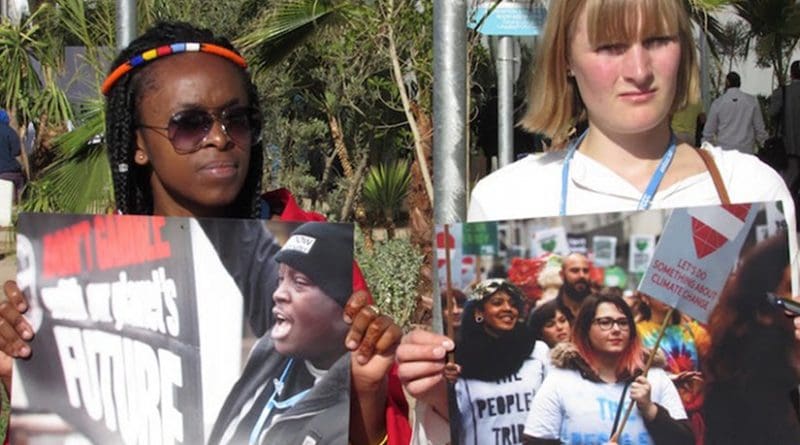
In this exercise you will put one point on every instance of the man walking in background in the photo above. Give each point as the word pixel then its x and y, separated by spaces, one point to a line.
pixel 10 149
pixel 785 109
pixel 734 121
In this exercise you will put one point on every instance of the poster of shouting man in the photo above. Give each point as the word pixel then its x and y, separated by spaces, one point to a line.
pixel 141 338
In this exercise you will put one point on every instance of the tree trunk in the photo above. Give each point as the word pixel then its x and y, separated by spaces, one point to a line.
pixel 421 211
pixel 419 153
pixel 319 196
pixel 356 179
pixel 339 146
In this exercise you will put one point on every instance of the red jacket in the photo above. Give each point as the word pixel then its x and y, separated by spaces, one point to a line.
pixel 397 425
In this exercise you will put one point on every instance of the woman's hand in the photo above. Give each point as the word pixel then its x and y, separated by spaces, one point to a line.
pixel 640 393
pixel 687 380
pixel 15 331
pixel 421 359
pixel 452 371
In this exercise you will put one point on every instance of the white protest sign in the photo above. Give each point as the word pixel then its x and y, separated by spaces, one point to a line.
pixel 549 241
pixel 469 263
pixel 578 244
pixel 640 252
pixel 454 244
pixel 697 250
pixel 605 250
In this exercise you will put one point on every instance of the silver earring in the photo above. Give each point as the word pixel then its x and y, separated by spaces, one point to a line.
pixel 479 319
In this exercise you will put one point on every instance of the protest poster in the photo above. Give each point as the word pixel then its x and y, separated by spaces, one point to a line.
pixel 578 244
pixel 452 241
pixel 139 324
pixel 604 249
pixel 550 240
pixel 695 255
pixel 640 251
pixel 492 403
pixel 480 239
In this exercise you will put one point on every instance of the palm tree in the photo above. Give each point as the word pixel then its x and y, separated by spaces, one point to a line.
pixel 775 26
pixel 30 93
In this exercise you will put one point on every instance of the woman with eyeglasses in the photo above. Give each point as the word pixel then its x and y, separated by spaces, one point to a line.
pixel 497 366
pixel 622 68
pixel 753 364
pixel 592 380
pixel 183 132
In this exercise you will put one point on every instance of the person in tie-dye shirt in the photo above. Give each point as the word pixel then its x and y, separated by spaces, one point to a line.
pixel 684 346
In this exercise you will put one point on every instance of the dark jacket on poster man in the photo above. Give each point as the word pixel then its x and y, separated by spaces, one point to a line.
pixel 321 417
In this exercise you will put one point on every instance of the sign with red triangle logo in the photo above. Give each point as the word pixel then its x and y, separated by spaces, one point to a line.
pixel 695 254
pixel 712 227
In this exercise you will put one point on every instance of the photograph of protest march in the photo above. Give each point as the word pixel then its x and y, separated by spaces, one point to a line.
pixel 165 330
pixel 554 319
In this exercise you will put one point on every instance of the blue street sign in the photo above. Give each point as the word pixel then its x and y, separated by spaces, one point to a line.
pixel 508 19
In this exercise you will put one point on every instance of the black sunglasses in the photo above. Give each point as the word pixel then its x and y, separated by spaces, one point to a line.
pixel 187 128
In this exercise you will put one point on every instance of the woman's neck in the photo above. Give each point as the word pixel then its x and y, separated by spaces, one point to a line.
pixel 612 149
pixel 633 157
pixel 607 368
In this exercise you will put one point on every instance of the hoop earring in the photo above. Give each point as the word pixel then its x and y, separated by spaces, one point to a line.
pixel 479 319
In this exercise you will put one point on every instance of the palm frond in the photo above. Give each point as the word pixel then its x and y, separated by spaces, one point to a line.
pixel 278 31
pixel 79 180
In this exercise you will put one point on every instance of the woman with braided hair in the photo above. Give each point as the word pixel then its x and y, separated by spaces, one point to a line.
pixel 183 132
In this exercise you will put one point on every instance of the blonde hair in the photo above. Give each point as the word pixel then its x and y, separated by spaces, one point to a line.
pixel 554 102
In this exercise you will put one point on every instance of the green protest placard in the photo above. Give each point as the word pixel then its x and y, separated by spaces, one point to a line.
pixel 480 238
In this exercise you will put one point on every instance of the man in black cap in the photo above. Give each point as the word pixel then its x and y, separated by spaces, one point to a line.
pixel 294 387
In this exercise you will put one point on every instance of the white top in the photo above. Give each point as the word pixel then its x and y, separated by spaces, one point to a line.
pixel 735 122
pixel 495 412
pixel 578 411
pixel 531 187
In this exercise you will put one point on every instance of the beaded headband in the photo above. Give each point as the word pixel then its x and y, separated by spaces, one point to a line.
pixel 166 50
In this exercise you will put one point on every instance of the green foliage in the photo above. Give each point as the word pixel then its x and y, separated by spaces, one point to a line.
pixel 391 269
pixel 775 26
pixel 280 29
pixel 5 411
pixel 79 180
pixel 385 188
pixel 337 69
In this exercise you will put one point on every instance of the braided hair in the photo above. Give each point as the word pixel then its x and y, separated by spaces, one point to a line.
pixel 132 191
